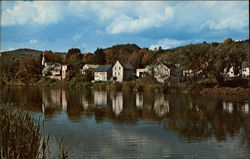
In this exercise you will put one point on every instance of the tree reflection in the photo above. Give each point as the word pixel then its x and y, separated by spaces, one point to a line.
pixel 192 117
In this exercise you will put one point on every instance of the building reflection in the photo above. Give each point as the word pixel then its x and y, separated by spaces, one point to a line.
pixel 161 106
pixel 64 101
pixel 85 102
pixel 228 107
pixel 53 100
pixel 245 108
pixel 100 98
pixel 139 100
pixel 117 102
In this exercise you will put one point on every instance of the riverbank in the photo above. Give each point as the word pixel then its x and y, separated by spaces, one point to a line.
pixel 138 85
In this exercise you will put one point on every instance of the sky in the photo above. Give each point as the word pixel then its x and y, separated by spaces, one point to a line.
pixel 61 25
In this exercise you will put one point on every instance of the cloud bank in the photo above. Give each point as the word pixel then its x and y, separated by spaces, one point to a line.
pixel 101 23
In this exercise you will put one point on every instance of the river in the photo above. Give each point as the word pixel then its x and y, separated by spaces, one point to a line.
pixel 102 124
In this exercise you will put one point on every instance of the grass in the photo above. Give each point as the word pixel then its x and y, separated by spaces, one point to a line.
pixel 21 137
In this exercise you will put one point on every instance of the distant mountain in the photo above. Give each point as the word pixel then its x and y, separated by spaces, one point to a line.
pixel 23 53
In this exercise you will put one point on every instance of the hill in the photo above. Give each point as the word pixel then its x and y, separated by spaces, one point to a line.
pixel 20 53
pixel 23 53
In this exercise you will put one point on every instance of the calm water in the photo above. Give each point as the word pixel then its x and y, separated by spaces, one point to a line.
pixel 100 124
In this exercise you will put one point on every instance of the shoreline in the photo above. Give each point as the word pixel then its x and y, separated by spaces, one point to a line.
pixel 135 86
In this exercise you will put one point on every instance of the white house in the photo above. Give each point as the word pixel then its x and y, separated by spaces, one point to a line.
pixel 188 73
pixel 161 72
pixel 140 72
pixel 230 72
pixel 123 71
pixel 245 69
pixel 88 67
pixel 244 72
pixel 103 73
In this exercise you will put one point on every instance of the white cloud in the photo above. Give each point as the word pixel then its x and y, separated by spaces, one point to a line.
pixel 172 43
pixel 166 43
pixel 122 16
pixel 32 13
pixel 215 15
pixel 128 24
pixel 146 16
pixel 129 16
pixel 33 41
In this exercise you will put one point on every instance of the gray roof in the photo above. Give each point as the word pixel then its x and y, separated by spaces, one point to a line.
pixel 103 68
pixel 127 65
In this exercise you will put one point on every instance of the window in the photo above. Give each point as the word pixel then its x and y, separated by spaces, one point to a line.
pixel 119 68
pixel 115 68
pixel 118 73
pixel 115 73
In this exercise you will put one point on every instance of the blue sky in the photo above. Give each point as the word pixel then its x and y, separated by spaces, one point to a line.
pixel 61 25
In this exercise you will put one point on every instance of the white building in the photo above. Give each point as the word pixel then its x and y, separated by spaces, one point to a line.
pixel 140 72
pixel 123 71
pixel 103 73
pixel 161 72
pixel 230 72
pixel 244 72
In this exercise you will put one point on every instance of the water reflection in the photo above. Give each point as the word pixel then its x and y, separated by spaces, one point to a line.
pixel 117 102
pixel 192 117
pixel 100 98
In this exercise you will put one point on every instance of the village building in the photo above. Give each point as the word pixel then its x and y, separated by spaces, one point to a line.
pixel 245 69
pixel 187 73
pixel 88 67
pixel 123 71
pixel 244 72
pixel 140 72
pixel 160 71
pixel 54 71
pixel 64 71
pixel 103 73
pixel 230 72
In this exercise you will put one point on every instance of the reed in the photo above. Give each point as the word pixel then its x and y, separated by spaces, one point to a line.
pixel 20 135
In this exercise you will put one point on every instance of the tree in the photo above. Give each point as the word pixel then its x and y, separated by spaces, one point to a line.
pixel 29 69
pixel 99 57
pixel 226 55
pixel 52 57
pixel 74 61
pixel 88 58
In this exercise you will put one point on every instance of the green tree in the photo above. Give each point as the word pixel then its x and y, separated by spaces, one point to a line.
pixel 99 57
pixel 74 61
pixel 30 68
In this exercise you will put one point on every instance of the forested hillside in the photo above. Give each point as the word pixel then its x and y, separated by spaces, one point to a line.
pixel 206 60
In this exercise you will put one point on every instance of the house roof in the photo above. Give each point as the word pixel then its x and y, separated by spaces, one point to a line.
pixel 103 68
pixel 126 65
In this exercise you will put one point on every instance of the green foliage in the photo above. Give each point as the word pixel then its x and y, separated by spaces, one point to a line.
pixel 30 68
pixel 99 57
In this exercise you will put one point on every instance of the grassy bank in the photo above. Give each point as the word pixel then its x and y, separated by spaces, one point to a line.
pixel 146 84
pixel 20 135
